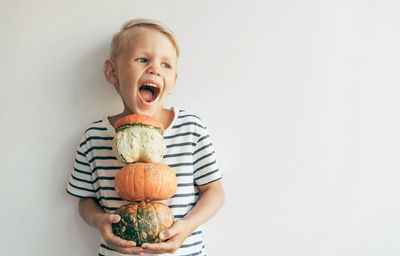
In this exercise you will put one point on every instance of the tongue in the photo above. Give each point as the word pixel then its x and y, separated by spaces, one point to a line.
pixel 146 94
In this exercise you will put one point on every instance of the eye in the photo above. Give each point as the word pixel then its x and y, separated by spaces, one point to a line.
pixel 142 60
pixel 165 65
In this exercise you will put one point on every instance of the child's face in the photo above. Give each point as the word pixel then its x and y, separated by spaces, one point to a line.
pixel 146 71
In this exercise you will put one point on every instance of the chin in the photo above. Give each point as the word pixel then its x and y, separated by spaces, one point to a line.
pixel 148 109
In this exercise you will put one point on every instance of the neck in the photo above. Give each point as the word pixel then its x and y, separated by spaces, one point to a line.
pixel 165 116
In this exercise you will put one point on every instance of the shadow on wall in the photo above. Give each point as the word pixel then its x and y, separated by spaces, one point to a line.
pixel 92 97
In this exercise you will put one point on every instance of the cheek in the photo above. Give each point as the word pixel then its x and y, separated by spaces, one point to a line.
pixel 170 78
pixel 128 93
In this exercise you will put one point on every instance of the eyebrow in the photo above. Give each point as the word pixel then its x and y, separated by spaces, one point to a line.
pixel 164 57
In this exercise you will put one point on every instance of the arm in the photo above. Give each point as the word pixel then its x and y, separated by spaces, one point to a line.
pixel 211 200
pixel 96 217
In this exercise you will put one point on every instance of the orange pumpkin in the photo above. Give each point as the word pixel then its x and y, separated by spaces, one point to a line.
pixel 145 182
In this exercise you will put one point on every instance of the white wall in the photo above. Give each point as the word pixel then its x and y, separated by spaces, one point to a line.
pixel 300 97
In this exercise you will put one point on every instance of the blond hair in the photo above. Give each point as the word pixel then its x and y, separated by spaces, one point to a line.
pixel 119 38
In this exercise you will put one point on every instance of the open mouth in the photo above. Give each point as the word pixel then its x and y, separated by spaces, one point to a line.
pixel 149 91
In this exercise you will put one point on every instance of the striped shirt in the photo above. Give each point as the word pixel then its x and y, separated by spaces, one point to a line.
pixel 189 152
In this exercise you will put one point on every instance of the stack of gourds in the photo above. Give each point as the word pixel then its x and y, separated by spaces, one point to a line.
pixel 143 180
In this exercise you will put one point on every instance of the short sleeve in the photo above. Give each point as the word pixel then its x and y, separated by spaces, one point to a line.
pixel 205 167
pixel 81 182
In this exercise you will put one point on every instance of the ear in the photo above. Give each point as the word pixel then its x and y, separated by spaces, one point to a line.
pixel 170 92
pixel 110 72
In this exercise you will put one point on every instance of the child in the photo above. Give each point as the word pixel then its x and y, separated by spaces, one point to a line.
pixel 142 67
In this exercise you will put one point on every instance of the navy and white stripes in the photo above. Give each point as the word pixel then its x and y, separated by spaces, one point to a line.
pixel 189 152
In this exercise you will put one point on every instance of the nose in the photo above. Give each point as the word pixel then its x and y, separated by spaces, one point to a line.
pixel 154 70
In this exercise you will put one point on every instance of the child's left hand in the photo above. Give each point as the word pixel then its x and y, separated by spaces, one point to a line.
pixel 173 238
pixel 211 199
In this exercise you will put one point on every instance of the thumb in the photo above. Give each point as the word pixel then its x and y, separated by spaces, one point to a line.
pixel 114 218
pixel 168 233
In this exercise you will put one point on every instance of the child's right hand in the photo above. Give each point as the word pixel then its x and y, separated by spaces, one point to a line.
pixel 104 225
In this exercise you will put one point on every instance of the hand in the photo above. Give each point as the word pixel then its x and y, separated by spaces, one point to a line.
pixel 104 225
pixel 173 238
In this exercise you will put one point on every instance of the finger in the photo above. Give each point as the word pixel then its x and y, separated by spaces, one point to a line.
pixel 157 247
pixel 114 218
pixel 131 250
pixel 168 233
pixel 119 242
pixel 170 246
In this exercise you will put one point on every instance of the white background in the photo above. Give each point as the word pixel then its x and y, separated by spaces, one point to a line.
pixel 301 99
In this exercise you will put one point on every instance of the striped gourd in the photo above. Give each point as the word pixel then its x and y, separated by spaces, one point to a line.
pixel 142 222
